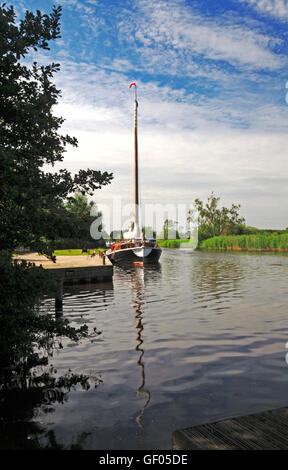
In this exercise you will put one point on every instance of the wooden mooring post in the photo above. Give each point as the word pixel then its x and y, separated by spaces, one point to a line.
pixel 59 298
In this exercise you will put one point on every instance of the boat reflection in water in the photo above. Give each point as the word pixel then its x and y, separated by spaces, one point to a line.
pixel 138 277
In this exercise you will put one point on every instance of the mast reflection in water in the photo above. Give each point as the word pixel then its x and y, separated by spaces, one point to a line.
pixel 138 276
pixel 138 287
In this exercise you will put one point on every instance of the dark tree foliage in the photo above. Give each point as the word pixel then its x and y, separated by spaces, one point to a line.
pixel 31 200
pixel 79 218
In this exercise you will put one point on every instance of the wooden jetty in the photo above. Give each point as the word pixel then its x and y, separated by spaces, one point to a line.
pixel 266 430
pixel 72 270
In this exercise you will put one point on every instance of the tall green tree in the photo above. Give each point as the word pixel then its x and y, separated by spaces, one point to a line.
pixel 79 218
pixel 214 220
pixel 31 199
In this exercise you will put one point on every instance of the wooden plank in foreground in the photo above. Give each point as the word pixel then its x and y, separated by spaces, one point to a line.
pixel 267 430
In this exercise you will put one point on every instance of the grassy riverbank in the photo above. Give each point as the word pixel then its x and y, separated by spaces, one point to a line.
pixel 76 252
pixel 257 242
pixel 171 243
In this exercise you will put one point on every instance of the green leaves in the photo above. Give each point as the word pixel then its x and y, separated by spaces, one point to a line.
pixel 215 220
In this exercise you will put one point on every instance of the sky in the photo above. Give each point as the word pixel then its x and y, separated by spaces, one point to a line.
pixel 212 86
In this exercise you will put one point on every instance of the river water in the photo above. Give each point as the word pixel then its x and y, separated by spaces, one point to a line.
pixel 200 338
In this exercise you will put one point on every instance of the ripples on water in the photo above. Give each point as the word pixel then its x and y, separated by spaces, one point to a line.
pixel 199 338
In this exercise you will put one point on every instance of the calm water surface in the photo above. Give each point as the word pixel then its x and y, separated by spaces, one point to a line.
pixel 200 338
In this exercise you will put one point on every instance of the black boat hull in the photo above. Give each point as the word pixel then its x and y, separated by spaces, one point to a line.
pixel 128 256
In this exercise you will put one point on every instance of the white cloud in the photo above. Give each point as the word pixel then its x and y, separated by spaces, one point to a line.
pixel 170 36
pixel 164 28
pixel 94 98
pixel 276 8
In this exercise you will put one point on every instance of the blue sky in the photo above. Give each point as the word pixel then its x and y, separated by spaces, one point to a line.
pixel 211 78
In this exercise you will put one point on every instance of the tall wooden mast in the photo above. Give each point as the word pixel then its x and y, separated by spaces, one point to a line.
pixel 136 185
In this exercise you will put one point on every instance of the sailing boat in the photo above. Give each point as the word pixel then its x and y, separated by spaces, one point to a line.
pixel 135 248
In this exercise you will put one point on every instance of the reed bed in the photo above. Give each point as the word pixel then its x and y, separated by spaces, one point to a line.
pixel 257 242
